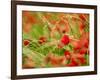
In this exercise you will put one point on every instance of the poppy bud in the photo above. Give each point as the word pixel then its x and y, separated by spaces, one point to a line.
pixel 26 42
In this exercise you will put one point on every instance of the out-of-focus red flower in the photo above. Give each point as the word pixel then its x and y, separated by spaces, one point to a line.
pixel 81 26
pixel 86 44
pixel 27 27
pixel 57 61
pixel 67 54
pixel 73 63
pixel 65 40
pixel 84 40
pixel 83 51
pixel 82 16
pixel 29 17
pixel 82 60
pixel 42 40
pixel 76 45
pixel 26 42
pixel 62 59
pixel 54 61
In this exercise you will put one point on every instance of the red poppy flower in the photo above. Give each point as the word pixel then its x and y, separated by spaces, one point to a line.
pixel 73 63
pixel 86 44
pixel 67 54
pixel 83 51
pixel 26 42
pixel 31 19
pixel 42 40
pixel 65 40
pixel 82 60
